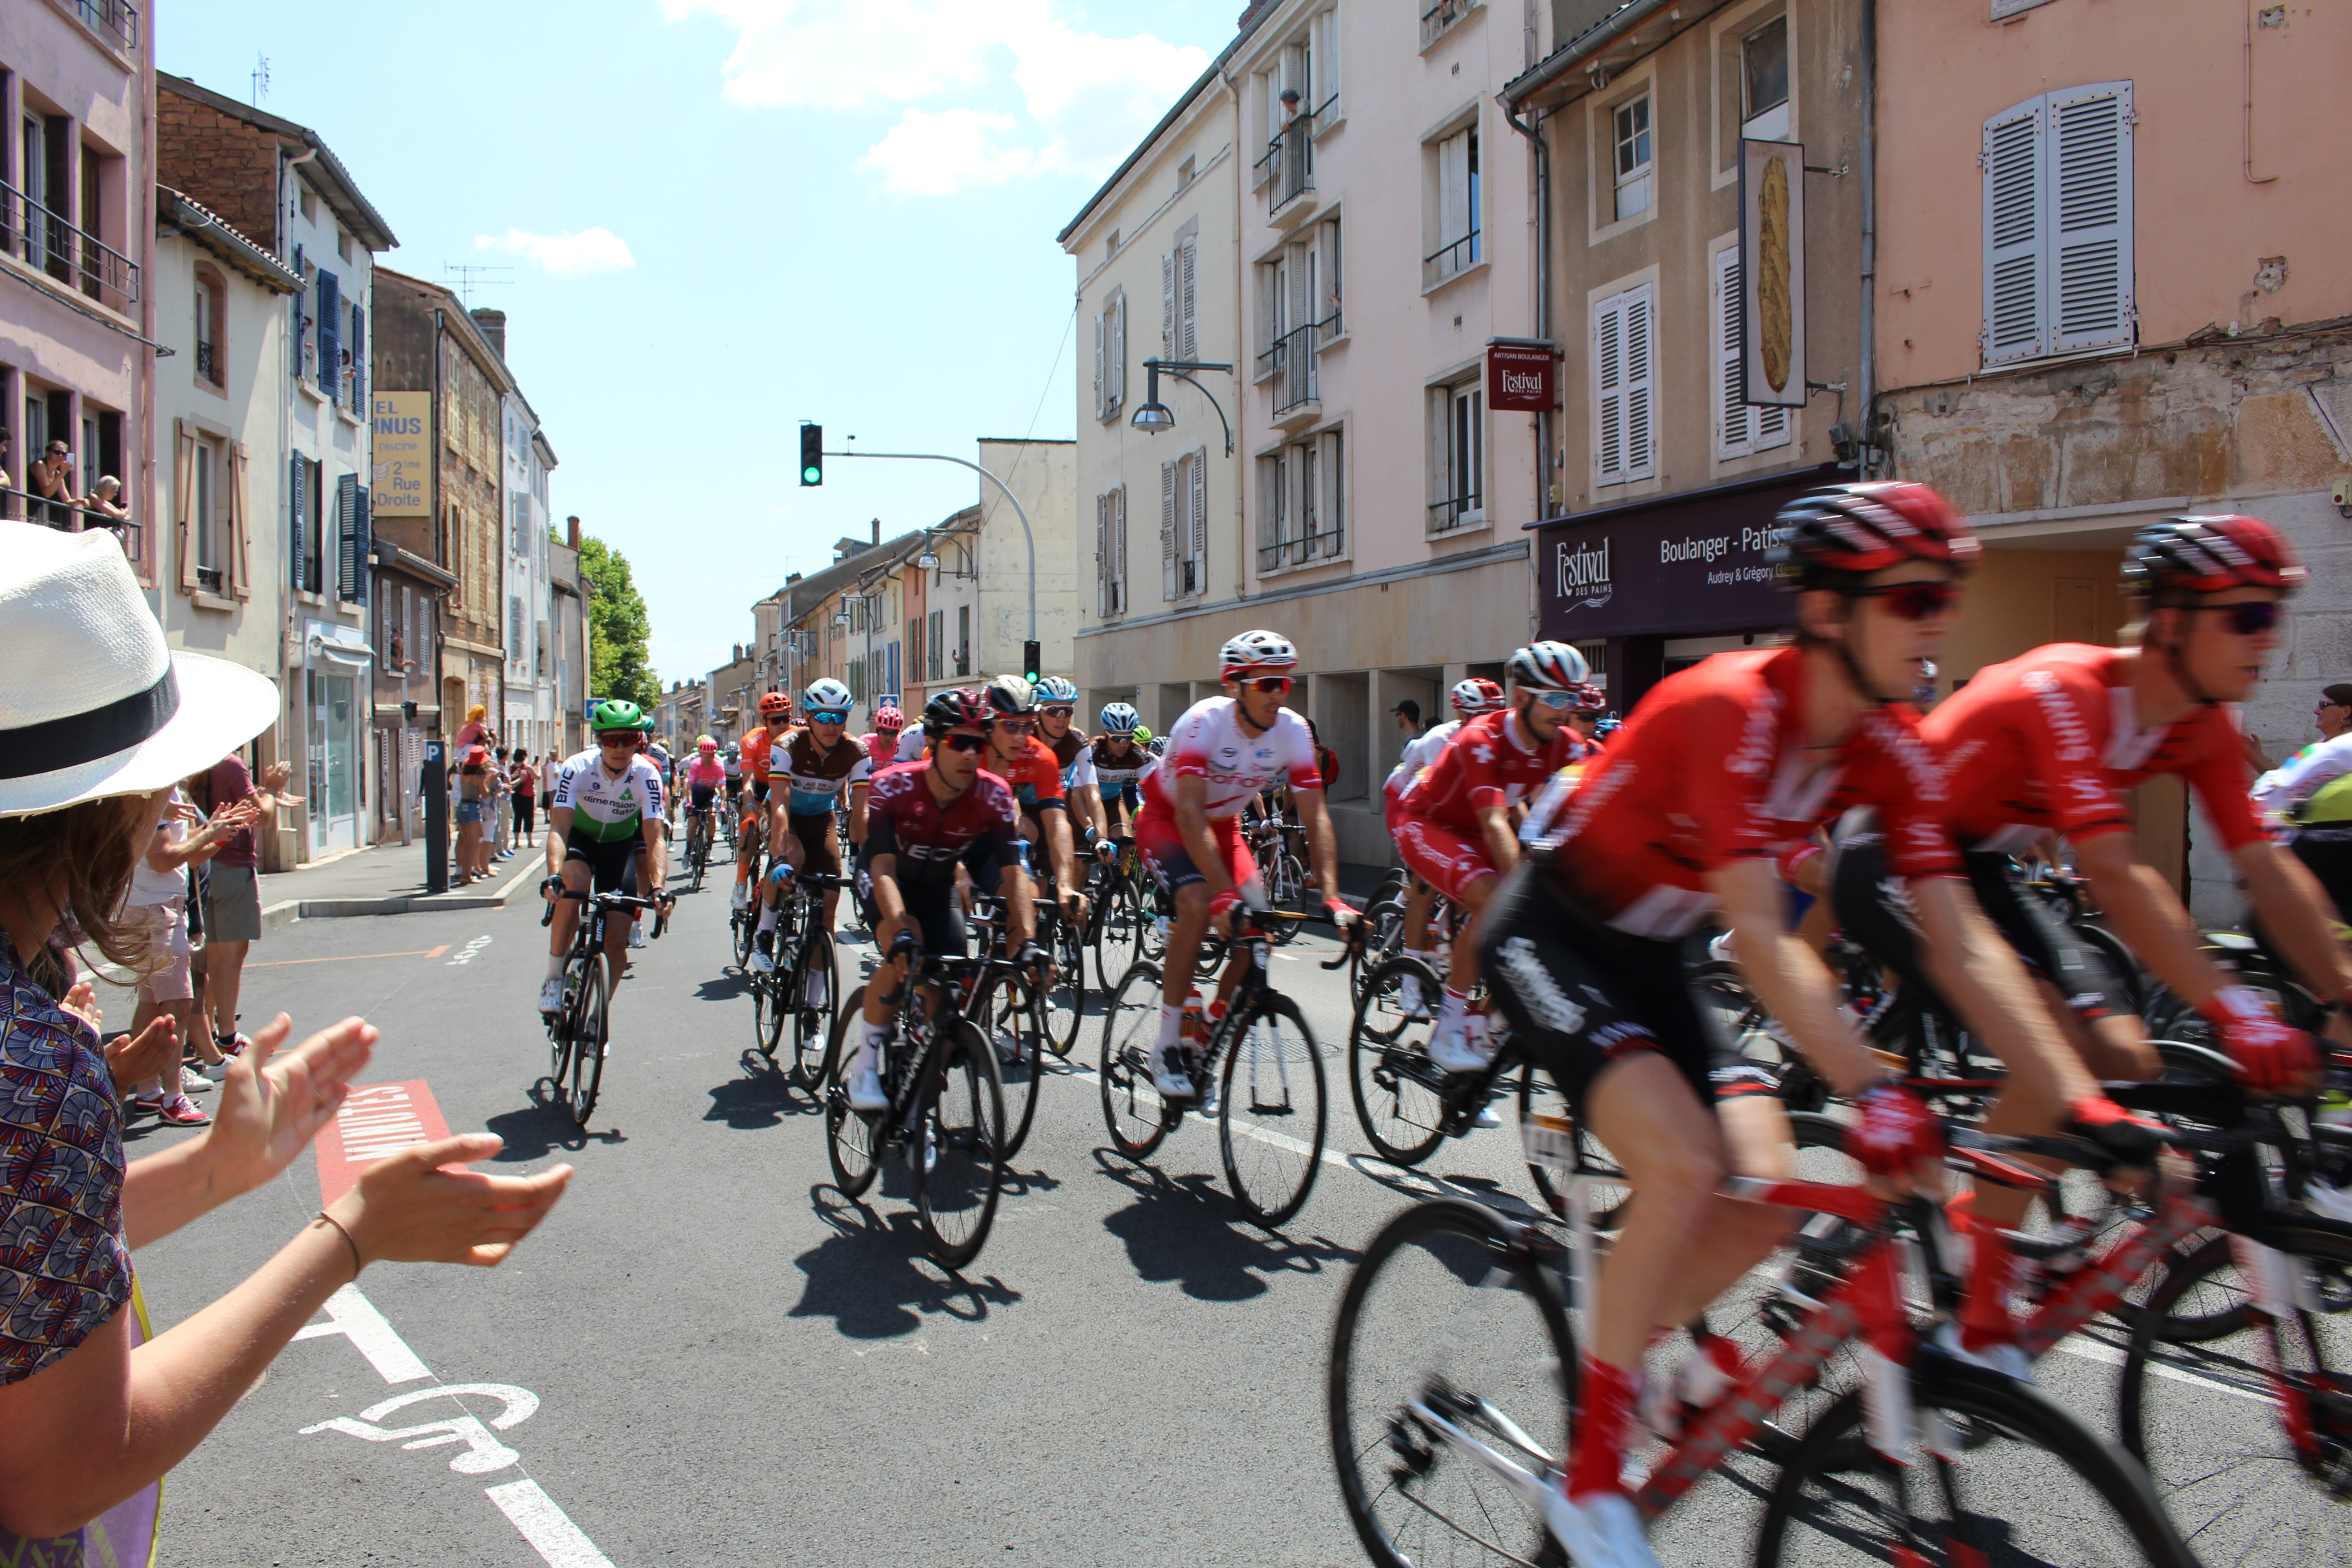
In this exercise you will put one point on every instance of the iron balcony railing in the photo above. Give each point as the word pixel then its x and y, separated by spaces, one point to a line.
pixel 1448 513
pixel 207 361
pixel 1326 545
pixel 27 507
pixel 1291 364
pixel 116 19
pixel 1287 169
pixel 1448 260
pixel 42 239
pixel 1439 14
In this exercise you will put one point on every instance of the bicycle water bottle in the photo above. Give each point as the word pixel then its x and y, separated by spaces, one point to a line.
pixel 1194 1030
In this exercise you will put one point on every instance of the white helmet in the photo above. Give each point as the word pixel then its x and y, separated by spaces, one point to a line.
pixel 828 694
pixel 1548 667
pixel 1475 695
pixel 1255 651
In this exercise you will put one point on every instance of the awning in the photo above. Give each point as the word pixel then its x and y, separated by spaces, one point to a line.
pixel 338 645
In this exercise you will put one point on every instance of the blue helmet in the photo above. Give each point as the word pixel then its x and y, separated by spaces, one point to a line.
pixel 1120 719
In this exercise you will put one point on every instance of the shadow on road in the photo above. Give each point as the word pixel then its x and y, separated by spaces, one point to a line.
pixel 760 1099
pixel 1186 1229
pixel 1420 1185
pixel 539 1129
pixel 872 1278
pixel 723 987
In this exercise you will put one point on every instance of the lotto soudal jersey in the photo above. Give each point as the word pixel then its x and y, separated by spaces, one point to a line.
pixel 1116 774
pixel 903 818
pixel 605 808
pixel 1070 754
pixel 2049 741
pixel 1486 765
pixel 1209 742
pixel 814 777
pixel 1713 768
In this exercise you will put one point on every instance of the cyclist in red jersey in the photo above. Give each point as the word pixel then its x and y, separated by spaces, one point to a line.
pixel 1454 824
pixel 1470 696
pixel 775 721
pixel 1016 755
pixel 1720 768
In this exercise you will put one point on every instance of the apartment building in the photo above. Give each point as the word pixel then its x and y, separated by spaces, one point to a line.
pixel 567 628
pixel 2113 286
pixel 76 242
pixel 525 461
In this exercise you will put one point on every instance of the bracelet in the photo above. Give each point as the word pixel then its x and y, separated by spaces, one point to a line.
pixel 357 1267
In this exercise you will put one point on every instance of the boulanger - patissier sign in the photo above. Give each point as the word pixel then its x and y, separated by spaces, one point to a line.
pixel 1680 568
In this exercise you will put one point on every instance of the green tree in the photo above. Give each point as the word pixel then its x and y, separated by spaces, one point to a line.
pixel 619 663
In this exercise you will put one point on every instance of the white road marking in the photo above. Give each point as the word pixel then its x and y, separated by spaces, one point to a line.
pixel 548 1528
pixel 354 1316
pixel 2107 1355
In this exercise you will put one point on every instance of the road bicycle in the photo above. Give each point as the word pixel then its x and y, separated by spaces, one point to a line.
pixel 945 1112
pixel 1259 1072
pixel 579 1032
pixel 802 992
pixel 1004 1004
pixel 700 828
pixel 1282 871
pixel 743 924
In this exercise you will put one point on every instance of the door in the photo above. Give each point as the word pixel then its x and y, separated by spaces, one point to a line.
pixel 335 760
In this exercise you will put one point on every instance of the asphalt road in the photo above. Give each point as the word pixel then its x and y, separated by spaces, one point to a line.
pixel 732 1363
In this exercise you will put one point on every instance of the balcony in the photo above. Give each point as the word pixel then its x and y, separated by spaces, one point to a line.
pixel 1438 17
pixel 207 361
pixel 1451 258
pixel 45 240
pixel 1290 365
pixel 1287 169
pixel 30 508
pixel 116 21
pixel 1452 513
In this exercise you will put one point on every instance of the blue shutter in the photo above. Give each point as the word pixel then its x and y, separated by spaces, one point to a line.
pixel 359 362
pixel 330 336
pixel 364 532
pixel 296 492
pixel 347 532
pixel 295 300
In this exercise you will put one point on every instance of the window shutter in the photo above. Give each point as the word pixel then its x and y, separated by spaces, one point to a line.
pixel 1116 376
pixel 1452 194
pixel 359 361
pixel 298 534
pixel 1188 300
pixel 347 505
pixel 1639 457
pixel 2090 218
pixel 240 526
pixel 2016 218
pixel 1196 551
pixel 184 492
pixel 1609 389
pixel 1102 553
pixel 1118 544
pixel 1168 531
pixel 330 335
pixel 1167 340
pixel 1101 340
pixel 1733 418
pixel 364 532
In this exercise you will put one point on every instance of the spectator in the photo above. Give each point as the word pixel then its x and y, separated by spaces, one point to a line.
pixel 101 500
pixel 473 815
pixel 522 784
pixel 2311 793
pixel 474 732
pixel 8 502
pixel 551 767
pixel 52 479
pixel 502 782
pixel 231 887
pixel 1408 719
pixel 158 907
pixel 87 1430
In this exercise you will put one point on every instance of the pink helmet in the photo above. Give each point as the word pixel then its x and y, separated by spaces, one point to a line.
pixel 887 717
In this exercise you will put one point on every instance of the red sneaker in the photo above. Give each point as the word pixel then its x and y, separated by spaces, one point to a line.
pixel 180 1111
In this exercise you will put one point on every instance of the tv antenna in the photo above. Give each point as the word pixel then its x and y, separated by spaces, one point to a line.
pixel 260 78
pixel 473 275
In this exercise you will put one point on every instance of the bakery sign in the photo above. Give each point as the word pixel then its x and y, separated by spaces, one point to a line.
pixel 1522 377
pixel 1772 272
pixel 1682 568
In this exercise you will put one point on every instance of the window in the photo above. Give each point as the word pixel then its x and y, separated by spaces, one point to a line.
pixel 515 650
pixel 963 640
pixel 1633 160
pixel 1457 455
pixel 1741 430
pixel 203 519
pixel 1184 525
pixel 1180 296
pixel 1110 357
pixel 1764 82
pixel 1302 502
pixel 351 538
pixel 309 205
pixel 2058 225
pixel 1456 240
pixel 307 520
pixel 1624 389
pixel 1301 94
pixel 1110 246
pixel 1110 552
pixel 212 312
pixel 519 509
pixel 1184 175
pixel 1299 311
pixel 937 644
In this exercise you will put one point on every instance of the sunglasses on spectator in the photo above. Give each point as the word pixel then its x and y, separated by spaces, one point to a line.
pixel 965 743
pixel 828 715
pixel 1912 601
pixel 2247 619
pixel 2324 705
pixel 1060 712
pixel 1277 684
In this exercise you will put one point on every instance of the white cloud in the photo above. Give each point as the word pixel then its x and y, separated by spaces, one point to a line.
pixel 566 255
pixel 1087 99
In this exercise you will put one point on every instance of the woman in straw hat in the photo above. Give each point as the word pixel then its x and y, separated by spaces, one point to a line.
pixel 97 720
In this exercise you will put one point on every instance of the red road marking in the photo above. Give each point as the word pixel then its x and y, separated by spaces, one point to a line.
pixel 348 958
pixel 377 1120
pixel 438 951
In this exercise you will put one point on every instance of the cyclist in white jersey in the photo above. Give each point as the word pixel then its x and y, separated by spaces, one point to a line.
pixel 1117 766
pixel 1470 698
pixel 604 824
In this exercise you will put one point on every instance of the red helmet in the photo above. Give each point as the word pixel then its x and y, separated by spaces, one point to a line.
pixel 1588 699
pixel 1475 694
pixel 2209 556
pixel 956 708
pixel 775 704
pixel 1855 529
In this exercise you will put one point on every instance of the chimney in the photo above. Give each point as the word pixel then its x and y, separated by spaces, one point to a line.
pixel 494 327
pixel 878 531
pixel 572 531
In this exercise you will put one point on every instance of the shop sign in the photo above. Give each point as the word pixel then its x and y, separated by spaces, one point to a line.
pixel 1521 378
pixel 403 441
pixel 1772 273
pixel 1679 569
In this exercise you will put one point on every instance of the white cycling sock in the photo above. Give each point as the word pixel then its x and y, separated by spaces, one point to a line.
pixel 1453 1008
pixel 869 1047
pixel 767 917
pixel 1172 1024
pixel 556 967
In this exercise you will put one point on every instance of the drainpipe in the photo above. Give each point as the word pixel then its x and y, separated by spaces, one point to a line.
pixel 298 694
pixel 1867 372
pixel 1241 346
pixel 1534 133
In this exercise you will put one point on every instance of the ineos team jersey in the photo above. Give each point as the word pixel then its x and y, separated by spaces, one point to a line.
pixel 604 808
pixel 904 819
pixel 1208 742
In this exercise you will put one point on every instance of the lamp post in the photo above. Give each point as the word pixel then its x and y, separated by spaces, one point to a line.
pixel 1154 416
pixel 1027 536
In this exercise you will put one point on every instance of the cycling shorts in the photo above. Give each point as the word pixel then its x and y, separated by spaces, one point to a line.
pixel 820 850
pixel 1583 995
pixel 703 794
pixel 612 862
pixel 1119 806
pixel 1875 910
pixel 1171 864
pixel 932 907
pixel 1438 856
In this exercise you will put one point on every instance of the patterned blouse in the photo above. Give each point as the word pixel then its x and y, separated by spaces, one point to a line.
pixel 64 1267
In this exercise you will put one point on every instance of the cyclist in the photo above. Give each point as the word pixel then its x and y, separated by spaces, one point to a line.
pixel 656 752
pixel 818 761
pixel 1221 752
pixel 603 834
pixel 753 806
pixel 1455 827
pixel 922 819
pixel 1057 708
pixel 1016 755
pixel 1682 813
pixel 1584 714
pixel 705 777
pixel 1120 764
pixel 882 744
pixel 1470 698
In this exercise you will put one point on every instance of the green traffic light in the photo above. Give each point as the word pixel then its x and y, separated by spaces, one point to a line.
pixel 812 474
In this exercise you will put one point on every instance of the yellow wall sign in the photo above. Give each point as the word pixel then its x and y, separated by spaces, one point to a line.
pixel 404 454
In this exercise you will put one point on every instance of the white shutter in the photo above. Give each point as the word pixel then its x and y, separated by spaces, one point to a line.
pixel 1734 420
pixel 1099 340
pixel 1118 544
pixel 1326 64
pixel 2089 216
pixel 1115 380
pixel 1196 549
pixel 1453 197
pixel 1640 455
pixel 1188 299
pixel 2016 222
pixel 1608 391
pixel 1102 555
pixel 1168 531
pixel 1168 306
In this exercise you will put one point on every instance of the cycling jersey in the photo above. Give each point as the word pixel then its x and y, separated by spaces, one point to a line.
pixel 817 778
pixel 605 809
pixel 910 744
pixel 905 819
pixel 2298 781
pixel 2049 741
pixel 758 748
pixel 1071 755
pixel 1033 776
pixel 1485 765
pixel 1208 742
pixel 1118 775
pixel 700 774
pixel 881 749
pixel 1713 768
pixel 1419 752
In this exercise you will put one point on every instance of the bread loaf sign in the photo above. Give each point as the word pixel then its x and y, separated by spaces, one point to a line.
pixel 1772 272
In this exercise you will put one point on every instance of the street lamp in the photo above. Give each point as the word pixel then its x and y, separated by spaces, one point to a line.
pixel 1028 538
pixel 1154 416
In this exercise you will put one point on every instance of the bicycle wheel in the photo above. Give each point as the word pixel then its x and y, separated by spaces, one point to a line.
pixel 816 1008
pixel 2206 1416
pixel 1397 1089
pixel 746 926
pixel 1449 1301
pixel 591 1032
pixel 1112 928
pixel 958 1150
pixel 1604 1198
pixel 1151 913
pixel 1138 1118
pixel 1383 939
pixel 850 1135
pixel 1270 1115
pixel 1063 1004
pixel 1286 886
pixel 699 858
pixel 1009 1017
pixel 2022 1482
pixel 559 1040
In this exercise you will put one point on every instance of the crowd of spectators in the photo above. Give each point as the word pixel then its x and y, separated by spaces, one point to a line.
pixel 124 784
pixel 49 495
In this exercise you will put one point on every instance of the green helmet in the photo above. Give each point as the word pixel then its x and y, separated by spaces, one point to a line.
pixel 615 714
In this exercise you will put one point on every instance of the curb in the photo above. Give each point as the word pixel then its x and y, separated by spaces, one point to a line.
pixel 292 909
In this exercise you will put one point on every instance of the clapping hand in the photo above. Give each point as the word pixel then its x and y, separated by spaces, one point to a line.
pixel 152 1052
pixel 271 1106
pixel 419 1206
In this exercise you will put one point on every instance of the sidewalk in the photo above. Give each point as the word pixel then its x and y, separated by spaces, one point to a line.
pixel 386 881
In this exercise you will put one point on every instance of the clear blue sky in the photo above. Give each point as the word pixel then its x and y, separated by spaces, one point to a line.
pixel 839 210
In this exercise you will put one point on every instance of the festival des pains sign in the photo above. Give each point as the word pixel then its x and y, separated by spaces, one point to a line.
pixel 1687 569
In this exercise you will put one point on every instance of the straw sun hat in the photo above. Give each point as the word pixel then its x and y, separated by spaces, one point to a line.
pixel 92 703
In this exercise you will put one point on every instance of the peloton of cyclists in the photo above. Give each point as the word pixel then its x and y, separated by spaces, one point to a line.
pixel 603 834
pixel 817 762
pixel 1026 764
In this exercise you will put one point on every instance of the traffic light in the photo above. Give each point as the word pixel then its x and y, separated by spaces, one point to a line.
pixel 812 453
pixel 1029 662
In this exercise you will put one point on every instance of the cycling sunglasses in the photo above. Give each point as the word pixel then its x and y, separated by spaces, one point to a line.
pixel 2255 615
pixel 828 715
pixel 1913 601
pixel 1278 684
pixel 965 743
pixel 1018 726
pixel 623 737
pixel 1060 712
pixel 1555 700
